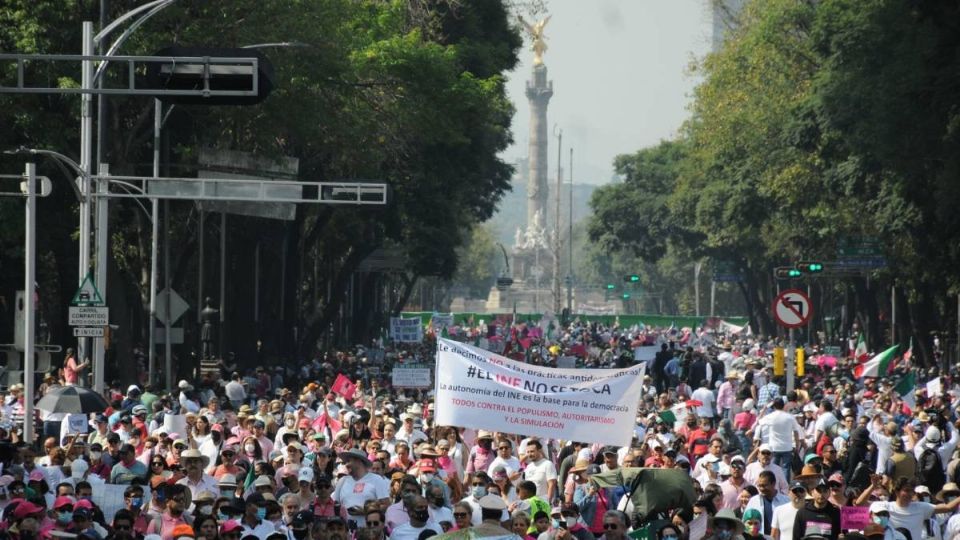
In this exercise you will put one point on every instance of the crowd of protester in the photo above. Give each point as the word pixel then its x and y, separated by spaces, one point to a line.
pixel 271 452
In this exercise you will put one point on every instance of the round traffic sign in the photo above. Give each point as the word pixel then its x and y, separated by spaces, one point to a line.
pixel 792 308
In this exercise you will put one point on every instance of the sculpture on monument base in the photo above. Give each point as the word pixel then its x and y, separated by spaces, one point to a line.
pixel 208 321
pixel 536 235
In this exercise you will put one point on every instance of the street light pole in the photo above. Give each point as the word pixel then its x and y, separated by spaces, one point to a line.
pixel 29 290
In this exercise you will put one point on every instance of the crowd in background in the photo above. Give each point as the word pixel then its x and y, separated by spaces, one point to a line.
pixel 271 452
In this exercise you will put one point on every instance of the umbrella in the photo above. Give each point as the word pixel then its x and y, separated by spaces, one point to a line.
pixel 72 399
pixel 657 490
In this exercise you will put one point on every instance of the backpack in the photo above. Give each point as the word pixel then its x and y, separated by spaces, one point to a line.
pixel 930 470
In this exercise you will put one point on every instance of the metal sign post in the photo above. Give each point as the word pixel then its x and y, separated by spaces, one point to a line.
pixel 28 189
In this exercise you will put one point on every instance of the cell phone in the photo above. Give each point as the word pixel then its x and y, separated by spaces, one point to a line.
pixel 563 523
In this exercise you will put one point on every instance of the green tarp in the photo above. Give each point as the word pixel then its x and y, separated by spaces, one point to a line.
pixel 658 490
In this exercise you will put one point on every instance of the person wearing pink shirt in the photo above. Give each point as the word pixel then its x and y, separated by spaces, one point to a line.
pixel 727 394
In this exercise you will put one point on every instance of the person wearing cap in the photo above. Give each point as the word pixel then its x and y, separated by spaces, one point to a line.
pixel 880 519
pixel 481 454
pixel 254 521
pixel 767 500
pixel 905 511
pixel 359 486
pixel 731 487
pixel 505 459
pixel 818 516
pixel 751 524
pixel 175 500
pixel 765 462
pixel 781 527
pixel 492 514
pixel 185 398
pixel 782 433
pixel 196 480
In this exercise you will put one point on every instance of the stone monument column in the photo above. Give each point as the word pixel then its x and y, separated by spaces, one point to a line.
pixel 539 92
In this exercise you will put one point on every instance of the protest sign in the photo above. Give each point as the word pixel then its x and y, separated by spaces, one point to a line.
pixel 344 386
pixel 854 517
pixel 440 321
pixel 934 388
pixel 175 423
pixel 646 353
pixel 412 377
pixel 482 390
pixel 406 330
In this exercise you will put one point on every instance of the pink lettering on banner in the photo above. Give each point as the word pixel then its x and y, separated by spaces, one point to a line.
pixel 854 517
pixel 512 381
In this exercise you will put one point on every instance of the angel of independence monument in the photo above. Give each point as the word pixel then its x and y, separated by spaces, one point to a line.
pixel 531 257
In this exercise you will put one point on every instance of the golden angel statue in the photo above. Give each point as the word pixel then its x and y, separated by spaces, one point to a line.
pixel 535 31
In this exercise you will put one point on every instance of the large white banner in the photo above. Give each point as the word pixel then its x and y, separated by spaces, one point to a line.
pixel 483 390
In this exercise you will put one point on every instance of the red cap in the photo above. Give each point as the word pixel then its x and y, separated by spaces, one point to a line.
pixel 62 501
pixel 25 508
pixel 216 427
pixel 229 526
pixel 83 503
pixel 426 465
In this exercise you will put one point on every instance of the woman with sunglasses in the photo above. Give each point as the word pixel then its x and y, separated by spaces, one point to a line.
pixel 462 515
pixel 157 467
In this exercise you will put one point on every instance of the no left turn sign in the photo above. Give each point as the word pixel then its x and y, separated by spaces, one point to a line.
pixel 792 308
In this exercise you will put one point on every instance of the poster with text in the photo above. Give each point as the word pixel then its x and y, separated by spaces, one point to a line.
pixel 406 330
pixel 482 390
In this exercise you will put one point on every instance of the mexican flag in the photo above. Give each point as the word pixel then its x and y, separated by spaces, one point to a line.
pixel 909 354
pixel 905 389
pixel 878 365
pixel 860 353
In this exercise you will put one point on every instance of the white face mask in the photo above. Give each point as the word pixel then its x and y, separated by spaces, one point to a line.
pixel 249 448
pixel 95 455
pixel 426 478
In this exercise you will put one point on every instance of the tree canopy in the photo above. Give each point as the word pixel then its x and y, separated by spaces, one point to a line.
pixel 816 122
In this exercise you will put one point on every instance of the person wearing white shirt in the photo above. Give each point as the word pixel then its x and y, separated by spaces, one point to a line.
pixel 765 463
pixel 767 501
pixel 235 391
pixel 360 486
pixel 540 471
pixel 505 459
pixel 419 512
pixel 910 514
pixel 704 395
pixel 932 438
pixel 783 433
pixel 781 528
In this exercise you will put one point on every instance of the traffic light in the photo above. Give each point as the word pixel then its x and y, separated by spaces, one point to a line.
pixel 810 267
pixel 632 278
pixel 608 290
pixel 786 272
pixel 626 296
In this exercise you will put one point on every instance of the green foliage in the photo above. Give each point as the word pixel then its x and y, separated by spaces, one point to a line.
pixel 409 93
pixel 815 121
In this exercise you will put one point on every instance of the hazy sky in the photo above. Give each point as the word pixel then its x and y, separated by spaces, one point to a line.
pixel 620 78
